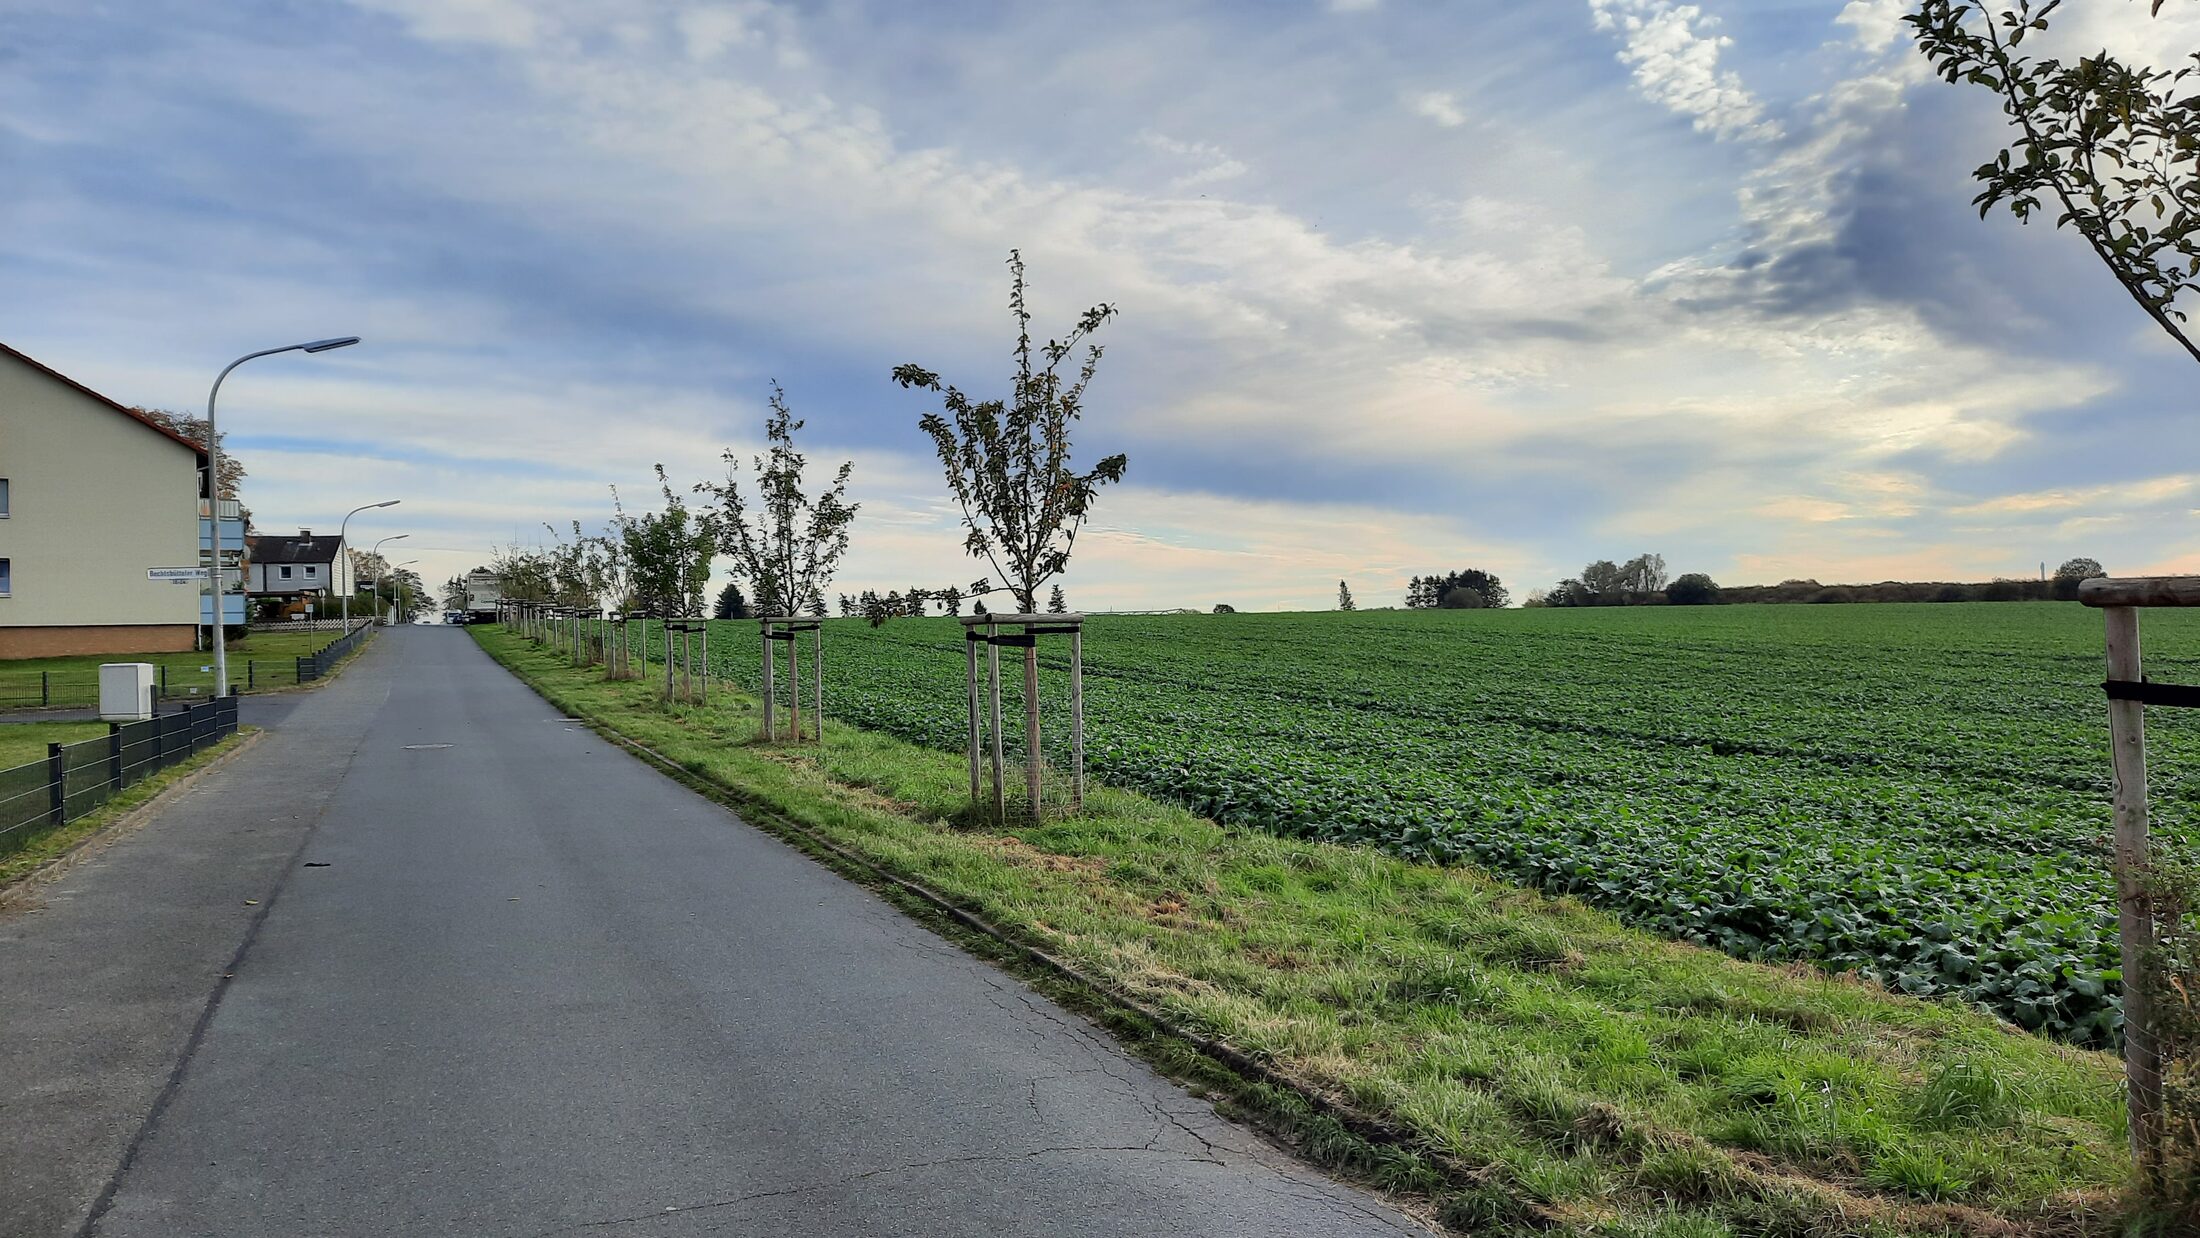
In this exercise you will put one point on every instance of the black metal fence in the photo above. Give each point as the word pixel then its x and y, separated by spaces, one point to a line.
pixel 76 778
pixel 318 663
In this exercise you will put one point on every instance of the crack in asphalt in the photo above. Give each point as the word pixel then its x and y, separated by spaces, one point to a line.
pixel 995 1158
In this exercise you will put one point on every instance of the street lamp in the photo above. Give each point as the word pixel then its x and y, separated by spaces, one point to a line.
pixel 344 548
pixel 214 497
pixel 401 584
pixel 376 555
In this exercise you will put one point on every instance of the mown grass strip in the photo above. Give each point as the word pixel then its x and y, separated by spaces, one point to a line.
pixel 1551 1068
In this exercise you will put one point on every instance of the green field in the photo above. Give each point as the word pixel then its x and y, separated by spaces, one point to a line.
pixel 1915 793
pixel 1550 1070
pixel 262 660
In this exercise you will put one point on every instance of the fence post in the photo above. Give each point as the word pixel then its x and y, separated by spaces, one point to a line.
pixel 2128 756
pixel 251 677
pixel 164 679
pixel 45 687
pixel 303 663
pixel 57 772
pixel 114 756
pixel 1077 717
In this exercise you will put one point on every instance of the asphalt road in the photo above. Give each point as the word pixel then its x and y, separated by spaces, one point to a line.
pixel 429 960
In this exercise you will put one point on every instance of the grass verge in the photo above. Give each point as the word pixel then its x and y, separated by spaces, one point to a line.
pixel 24 742
pixel 51 845
pixel 73 682
pixel 1523 1062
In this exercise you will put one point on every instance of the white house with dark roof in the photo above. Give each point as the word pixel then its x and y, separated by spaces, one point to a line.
pixel 294 567
pixel 93 497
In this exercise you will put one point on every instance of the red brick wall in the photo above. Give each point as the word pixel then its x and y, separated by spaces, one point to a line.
pixel 68 642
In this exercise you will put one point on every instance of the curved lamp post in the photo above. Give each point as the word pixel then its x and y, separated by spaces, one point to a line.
pixel 344 548
pixel 214 498
pixel 393 572
pixel 376 553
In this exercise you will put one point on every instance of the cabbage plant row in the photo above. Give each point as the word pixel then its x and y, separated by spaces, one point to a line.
pixel 1915 794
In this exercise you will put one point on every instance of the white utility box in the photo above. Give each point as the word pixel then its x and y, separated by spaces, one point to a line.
pixel 125 691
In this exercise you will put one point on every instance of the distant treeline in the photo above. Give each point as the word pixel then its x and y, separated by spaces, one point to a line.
pixel 1605 584
pixel 2055 589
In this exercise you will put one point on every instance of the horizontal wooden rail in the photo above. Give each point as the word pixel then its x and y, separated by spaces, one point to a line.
pixel 2141 591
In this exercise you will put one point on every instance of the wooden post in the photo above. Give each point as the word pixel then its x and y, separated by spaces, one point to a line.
pixel 970 646
pixel 993 690
pixel 818 669
pixel 57 777
pixel 794 686
pixel 1077 718
pixel 2135 907
pixel 706 662
pixel 770 732
pixel 1031 722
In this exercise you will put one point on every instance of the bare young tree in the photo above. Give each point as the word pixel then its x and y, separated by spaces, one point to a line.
pixel 1008 461
pixel 2116 146
pixel 788 543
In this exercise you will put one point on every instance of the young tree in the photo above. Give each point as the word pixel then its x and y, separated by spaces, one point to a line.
pixel 788 545
pixel 1344 597
pixel 914 600
pixel 1056 603
pixel 2116 146
pixel 731 605
pixel 667 556
pixel 951 600
pixel 1008 462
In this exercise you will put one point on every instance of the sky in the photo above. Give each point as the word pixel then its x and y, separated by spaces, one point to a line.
pixel 1404 286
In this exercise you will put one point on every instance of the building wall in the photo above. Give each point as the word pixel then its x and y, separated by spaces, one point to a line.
pixel 304 578
pixel 95 498
pixel 67 642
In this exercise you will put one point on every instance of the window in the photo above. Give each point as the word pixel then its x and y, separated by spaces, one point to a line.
pixel 6 584
pixel 286 571
pixel 3 498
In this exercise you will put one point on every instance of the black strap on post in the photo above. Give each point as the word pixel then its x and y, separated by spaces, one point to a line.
pixel 2147 693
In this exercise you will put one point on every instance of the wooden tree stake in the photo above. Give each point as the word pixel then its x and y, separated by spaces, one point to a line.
pixel 993 691
pixel 2135 900
pixel 970 648
pixel 1077 719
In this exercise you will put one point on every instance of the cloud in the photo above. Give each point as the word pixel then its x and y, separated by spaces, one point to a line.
pixel 2153 492
pixel 1677 65
pixel 1440 106
pixel 581 240
pixel 1210 163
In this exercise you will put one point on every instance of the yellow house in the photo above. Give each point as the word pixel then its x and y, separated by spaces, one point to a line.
pixel 92 497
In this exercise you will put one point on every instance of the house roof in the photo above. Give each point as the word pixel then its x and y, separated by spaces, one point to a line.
pixel 126 411
pixel 270 548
